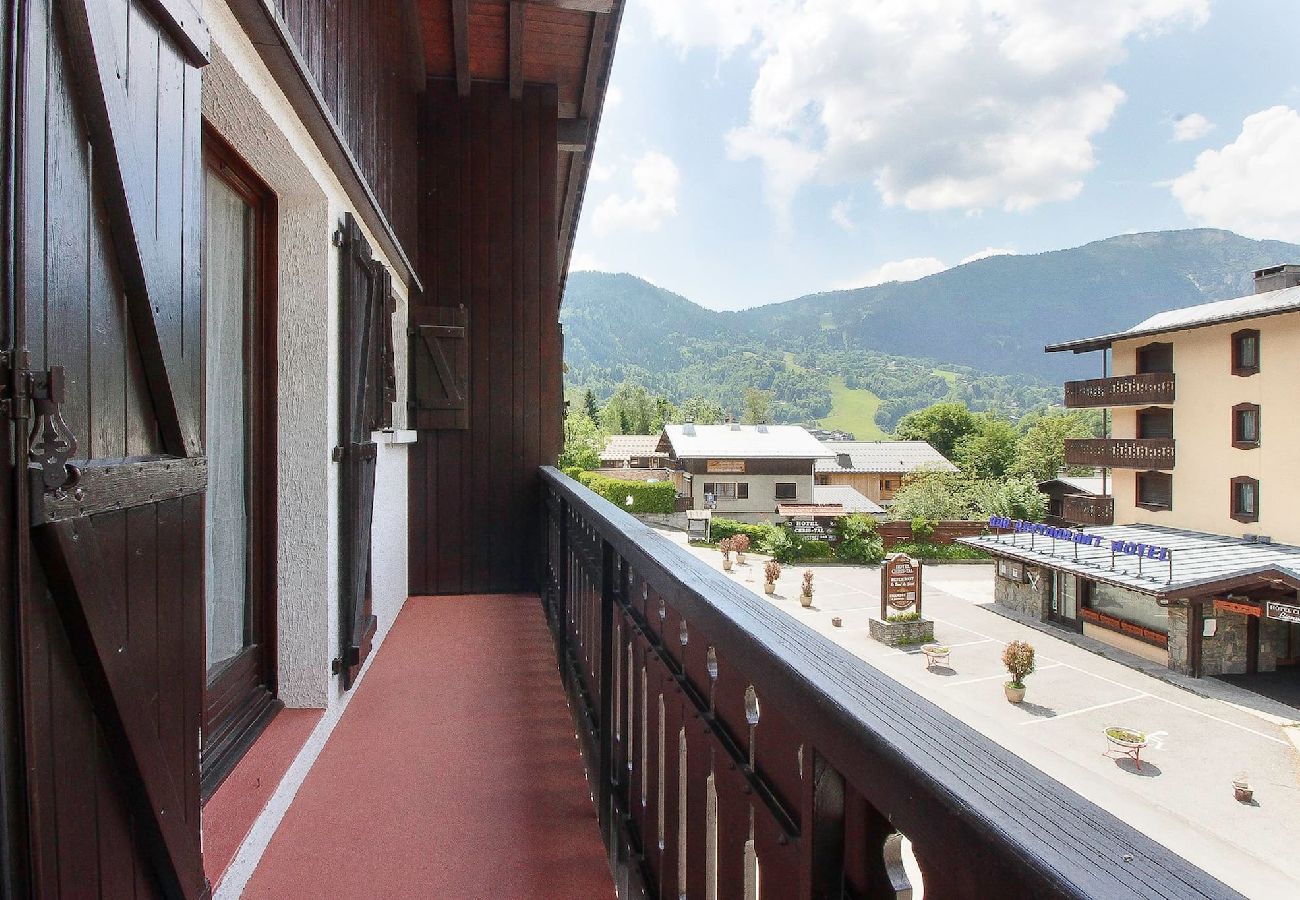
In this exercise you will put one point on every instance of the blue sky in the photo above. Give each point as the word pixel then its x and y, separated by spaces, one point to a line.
pixel 756 150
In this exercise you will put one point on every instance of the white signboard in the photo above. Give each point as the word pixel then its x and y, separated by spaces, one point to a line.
pixel 1283 612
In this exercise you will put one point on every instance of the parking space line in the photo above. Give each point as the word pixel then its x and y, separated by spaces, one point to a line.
pixel 1002 675
pixel 950 646
pixel 1086 709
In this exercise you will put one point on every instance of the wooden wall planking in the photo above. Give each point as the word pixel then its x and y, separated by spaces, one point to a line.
pixel 489 242
pixel 362 55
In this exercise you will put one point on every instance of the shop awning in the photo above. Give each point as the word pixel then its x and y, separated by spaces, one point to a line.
pixel 1126 555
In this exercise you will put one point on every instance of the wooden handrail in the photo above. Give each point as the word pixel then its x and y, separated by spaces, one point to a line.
pixel 1121 390
pixel 665 658
pixel 1120 453
pixel 1085 509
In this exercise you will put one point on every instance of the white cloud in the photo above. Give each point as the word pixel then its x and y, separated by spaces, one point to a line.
pixel 613 98
pixel 840 214
pixel 896 270
pixel 942 104
pixel 581 261
pixel 1249 186
pixel 986 253
pixel 600 172
pixel 1191 127
pixel 655 180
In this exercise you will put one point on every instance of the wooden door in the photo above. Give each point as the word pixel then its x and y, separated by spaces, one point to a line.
pixel 106 327
pixel 365 404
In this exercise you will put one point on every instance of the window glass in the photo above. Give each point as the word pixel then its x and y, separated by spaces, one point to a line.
pixel 1129 606
pixel 1248 425
pixel 1248 351
pixel 785 490
pixel 1246 498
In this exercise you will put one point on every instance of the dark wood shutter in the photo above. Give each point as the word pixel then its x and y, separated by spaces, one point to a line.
pixel 107 383
pixel 360 387
pixel 439 368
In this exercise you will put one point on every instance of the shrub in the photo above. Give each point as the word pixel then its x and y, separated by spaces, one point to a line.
pixel 858 541
pixel 727 545
pixel 784 546
pixel 810 550
pixel 771 571
pixel 740 543
pixel 1018 657
pixel 647 496
pixel 808 582
pixel 760 536
pixel 938 551
pixel 922 529
pixel 912 616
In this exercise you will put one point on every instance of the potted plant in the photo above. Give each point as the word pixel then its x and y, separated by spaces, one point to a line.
pixel 805 595
pixel 1018 657
pixel 1241 788
pixel 771 572
pixel 726 545
pixel 741 543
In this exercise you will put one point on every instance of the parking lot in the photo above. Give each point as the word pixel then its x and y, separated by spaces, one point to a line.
pixel 1181 795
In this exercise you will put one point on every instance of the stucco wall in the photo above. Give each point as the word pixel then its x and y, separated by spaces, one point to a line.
pixel 244 104
pixel 1205 458
pixel 762 502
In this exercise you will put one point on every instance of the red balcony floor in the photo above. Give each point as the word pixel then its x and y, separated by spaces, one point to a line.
pixel 453 773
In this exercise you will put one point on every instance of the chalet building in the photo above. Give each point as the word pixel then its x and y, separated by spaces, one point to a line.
pixel 876 469
pixel 632 451
pixel 744 472
pixel 1191 557
pixel 296 603
pixel 1077 492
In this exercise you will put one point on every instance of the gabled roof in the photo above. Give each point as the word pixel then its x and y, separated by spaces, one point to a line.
pixel 882 456
pixel 740 442
pixel 1252 306
pixel 1084 484
pixel 624 446
pixel 1200 563
pixel 848 497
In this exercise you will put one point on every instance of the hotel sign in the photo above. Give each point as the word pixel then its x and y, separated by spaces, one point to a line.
pixel 725 466
pixel 1129 548
pixel 1283 612
pixel 900 584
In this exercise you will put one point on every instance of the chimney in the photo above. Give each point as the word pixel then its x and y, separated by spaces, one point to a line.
pixel 1274 278
pixel 689 429
pixel 735 426
pixel 845 461
pixel 761 429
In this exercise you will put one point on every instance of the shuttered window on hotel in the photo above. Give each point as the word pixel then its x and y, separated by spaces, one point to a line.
pixel 1155 490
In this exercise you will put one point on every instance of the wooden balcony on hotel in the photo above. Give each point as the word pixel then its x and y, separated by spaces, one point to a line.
pixel 1087 509
pixel 1122 390
pixel 1120 453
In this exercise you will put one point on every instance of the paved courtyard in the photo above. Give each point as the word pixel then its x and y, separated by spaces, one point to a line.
pixel 1182 795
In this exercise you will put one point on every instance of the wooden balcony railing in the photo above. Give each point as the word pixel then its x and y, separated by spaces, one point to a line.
pixel 1086 509
pixel 1123 390
pixel 726 739
pixel 1120 453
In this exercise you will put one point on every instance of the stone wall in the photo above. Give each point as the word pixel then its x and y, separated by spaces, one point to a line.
pixel 899 634
pixel 1272 643
pixel 1029 599
pixel 1178 649
pixel 1225 653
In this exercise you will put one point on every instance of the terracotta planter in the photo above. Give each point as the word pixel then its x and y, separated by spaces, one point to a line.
pixel 805 600
pixel 1014 694
pixel 740 558
pixel 769 587
pixel 726 564
pixel 1242 790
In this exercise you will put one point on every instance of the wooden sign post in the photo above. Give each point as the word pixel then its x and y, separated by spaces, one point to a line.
pixel 900 585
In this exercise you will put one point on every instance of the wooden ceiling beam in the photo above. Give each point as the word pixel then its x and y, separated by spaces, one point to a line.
pixel 518 21
pixel 595 65
pixel 591 6
pixel 572 135
pixel 460 39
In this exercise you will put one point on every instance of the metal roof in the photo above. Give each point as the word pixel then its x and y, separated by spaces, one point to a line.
pixel 803 510
pixel 623 446
pixel 1198 562
pixel 741 442
pixel 850 498
pixel 882 456
pixel 1219 312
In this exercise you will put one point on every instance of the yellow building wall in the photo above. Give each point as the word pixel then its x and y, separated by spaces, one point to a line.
pixel 1205 460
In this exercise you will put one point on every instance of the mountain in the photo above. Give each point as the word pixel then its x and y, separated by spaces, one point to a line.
pixel 982 325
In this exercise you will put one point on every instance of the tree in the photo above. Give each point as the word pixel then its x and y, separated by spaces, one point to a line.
pixel 1041 451
pixel 931 495
pixel 633 410
pixel 942 425
pixel 583 442
pixel 990 449
pixel 589 405
pixel 702 411
pixel 1017 497
pixel 758 407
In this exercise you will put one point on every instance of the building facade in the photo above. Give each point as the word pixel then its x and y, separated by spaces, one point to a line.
pixel 876 469
pixel 1190 559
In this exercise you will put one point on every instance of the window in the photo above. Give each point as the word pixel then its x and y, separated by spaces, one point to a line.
pixel 1245 352
pixel 1155 490
pixel 1245 499
pixel 727 490
pixel 786 490
pixel 1155 422
pixel 1155 358
pixel 1245 426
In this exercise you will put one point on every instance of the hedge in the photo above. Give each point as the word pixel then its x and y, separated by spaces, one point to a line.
pixel 647 496
pixel 938 552
pixel 760 536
